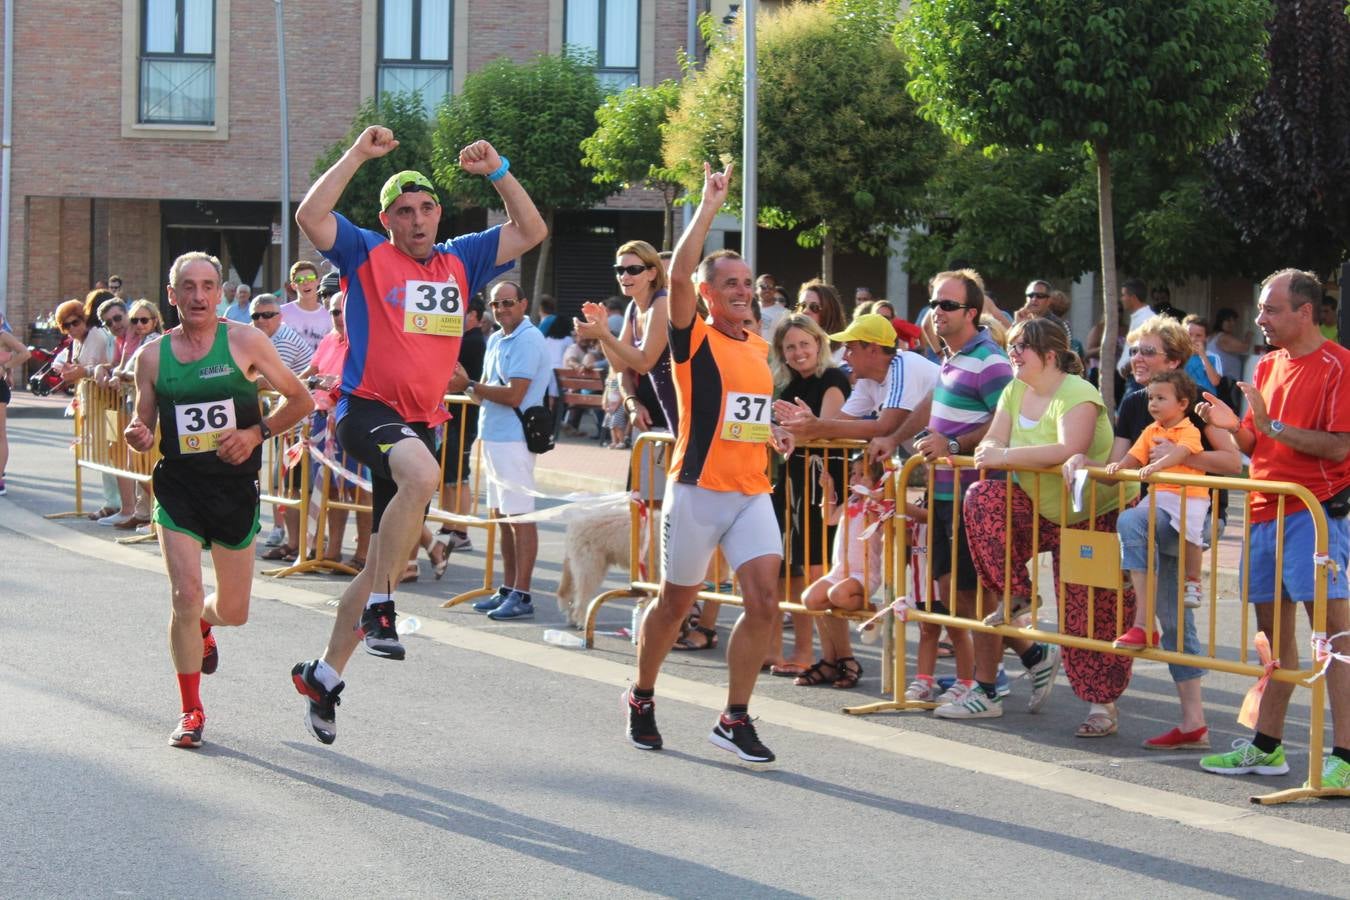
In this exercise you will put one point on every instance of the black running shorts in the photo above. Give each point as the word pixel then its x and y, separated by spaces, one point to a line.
pixel 214 509
pixel 368 430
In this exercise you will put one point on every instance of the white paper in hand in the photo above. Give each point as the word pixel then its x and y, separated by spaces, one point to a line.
pixel 1080 477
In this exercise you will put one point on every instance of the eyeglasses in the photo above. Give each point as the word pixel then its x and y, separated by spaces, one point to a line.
pixel 501 304
pixel 267 315
pixel 306 278
pixel 1037 295
pixel 141 320
pixel 808 307
pixel 116 319
pixel 336 312
pixel 1019 347
pixel 1146 352
pixel 630 270
pixel 114 285
pixel 946 305
pixel 71 323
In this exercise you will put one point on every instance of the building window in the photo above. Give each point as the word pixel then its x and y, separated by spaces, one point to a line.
pixel 178 62
pixel 609 30
pixel 414 54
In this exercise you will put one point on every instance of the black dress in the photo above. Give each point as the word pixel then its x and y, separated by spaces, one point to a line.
pixel 796 491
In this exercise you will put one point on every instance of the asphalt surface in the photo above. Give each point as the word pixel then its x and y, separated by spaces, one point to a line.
pixel 492 763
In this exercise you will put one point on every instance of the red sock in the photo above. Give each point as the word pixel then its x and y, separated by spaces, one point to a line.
pixel 206 628
pixel 187 689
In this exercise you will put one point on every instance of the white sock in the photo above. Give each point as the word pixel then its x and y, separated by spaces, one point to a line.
pixel 327 675
pixel 378 598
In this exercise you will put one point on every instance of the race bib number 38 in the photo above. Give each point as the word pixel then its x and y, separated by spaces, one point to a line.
pixel 200 424
pixel 746 418
pixel 433 307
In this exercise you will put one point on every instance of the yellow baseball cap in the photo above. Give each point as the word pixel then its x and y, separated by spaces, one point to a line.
pixel 401 182
pixel 871 328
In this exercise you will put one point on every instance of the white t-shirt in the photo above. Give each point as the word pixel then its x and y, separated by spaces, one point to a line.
pixel 769 317
pixel 312 324
pixel 909 379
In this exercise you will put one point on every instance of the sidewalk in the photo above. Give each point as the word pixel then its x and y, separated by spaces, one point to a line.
pixel 581 464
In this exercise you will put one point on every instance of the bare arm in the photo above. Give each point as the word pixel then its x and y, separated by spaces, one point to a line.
pixel 254 354
pixel 620 350
pixel 683 296
pixel 1177 455
pixel 314 215
pixel 524 227
pixel 1075 431
pixel 140 431
pixel 18 352
pixel 510 394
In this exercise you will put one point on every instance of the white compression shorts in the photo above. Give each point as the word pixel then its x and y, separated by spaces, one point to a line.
pixel 697 520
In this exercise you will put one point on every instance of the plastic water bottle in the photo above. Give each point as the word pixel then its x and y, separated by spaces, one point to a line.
pixel 408 625
pixel 564 638
pixel 638 609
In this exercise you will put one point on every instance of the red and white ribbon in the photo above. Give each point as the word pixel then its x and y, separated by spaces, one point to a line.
pixel 900 607
pixel 1324 654
pixel 1251 704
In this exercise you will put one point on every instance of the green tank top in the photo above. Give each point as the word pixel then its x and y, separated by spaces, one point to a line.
pixel 200 399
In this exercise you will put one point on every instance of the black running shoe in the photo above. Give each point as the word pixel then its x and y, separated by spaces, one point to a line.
pixel 321 717
pixel 188 734
pixel 738 736
pixel 210 653
pixel 377 626
pixel 642 732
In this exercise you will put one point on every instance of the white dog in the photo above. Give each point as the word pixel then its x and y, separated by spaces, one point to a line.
pixel 595 541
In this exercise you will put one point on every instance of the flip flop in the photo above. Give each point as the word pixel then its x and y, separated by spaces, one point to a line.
pixel 788 670
pixel 1096 725
pixel 282 553
pixel 439 555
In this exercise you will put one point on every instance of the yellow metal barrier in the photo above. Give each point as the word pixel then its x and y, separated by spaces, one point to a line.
pixel 647 469
pixel 1209 659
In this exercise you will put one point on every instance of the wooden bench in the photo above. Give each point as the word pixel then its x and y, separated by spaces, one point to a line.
pixel 572 386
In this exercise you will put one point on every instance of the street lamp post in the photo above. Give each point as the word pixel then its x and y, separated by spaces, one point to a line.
pixel 749 143
pixel 285 147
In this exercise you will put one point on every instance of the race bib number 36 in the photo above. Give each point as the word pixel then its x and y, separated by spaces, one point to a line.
pixel 746 418
pixel 433 307
pixel 200 424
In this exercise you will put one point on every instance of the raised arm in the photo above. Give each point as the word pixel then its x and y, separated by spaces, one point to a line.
pixel 620 350
pixel 524 228
pixel 314 215
pixel 688 252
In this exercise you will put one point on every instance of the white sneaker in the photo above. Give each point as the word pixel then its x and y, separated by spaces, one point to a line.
pixel 921 690
pixel 114 519
pixel 976 705
pixel 1191 599
pixel 275 537
pixel 956 694
pixel 1042 677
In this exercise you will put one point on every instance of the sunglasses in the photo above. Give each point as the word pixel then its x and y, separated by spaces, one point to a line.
pixel 114 285
pixel 71 323
pixel 306 278
pixel 115 319
pixel 947 305
pixel 267 315
pixel 502 304
pixel 1146 352
pixel 141 320
pixel 630 270
pixel 1037 295
pixel 809 307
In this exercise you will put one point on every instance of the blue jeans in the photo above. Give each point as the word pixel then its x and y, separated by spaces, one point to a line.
pixel 1132 526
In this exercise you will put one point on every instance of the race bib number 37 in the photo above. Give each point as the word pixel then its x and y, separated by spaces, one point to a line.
pixel 746 418
pixel 200 424
pixel 433 307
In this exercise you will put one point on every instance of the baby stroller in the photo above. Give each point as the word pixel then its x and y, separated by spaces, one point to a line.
pixel 46 379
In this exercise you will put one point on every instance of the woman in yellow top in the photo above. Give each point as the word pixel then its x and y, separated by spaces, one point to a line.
pixel 1046 415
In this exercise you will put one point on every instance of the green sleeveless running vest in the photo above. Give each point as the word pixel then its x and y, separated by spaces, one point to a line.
pixel 199 400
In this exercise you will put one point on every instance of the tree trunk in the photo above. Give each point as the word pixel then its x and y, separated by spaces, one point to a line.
pixel 668 220
pixel 541 260
pixel 827 257
pixel 1106 228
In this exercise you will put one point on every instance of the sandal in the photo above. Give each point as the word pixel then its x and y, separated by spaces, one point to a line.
pixel 357 563
pixel 440 558
pixel 282 553
pixel 1096 725
pixel 709 636
pixel 850 670
pixel 103 513
pixel 816 674
pixel 789 670
pixel 409 573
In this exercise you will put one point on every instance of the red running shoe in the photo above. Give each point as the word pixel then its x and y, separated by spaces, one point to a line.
pixel 1176 739
pixel 188 734
pixel 210 653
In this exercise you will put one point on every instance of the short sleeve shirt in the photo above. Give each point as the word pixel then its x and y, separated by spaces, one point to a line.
pixel 295 352
pixel 908 380
pixel 520 354
pixel 964 399
pixel 1312 392
pixel 1183 434
pixel 405 370
pixel 311 324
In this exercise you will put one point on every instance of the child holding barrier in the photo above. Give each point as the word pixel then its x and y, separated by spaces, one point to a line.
pixel 1170 394
pixel 855 575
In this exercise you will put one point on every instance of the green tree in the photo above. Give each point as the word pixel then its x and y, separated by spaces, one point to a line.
pixel 1284 176
pixel 402 113
pixel 1114 74
pixel 625 149
pixel 535 114
pixel 841 153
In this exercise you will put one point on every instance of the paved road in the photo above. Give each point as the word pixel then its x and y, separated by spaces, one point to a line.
pixel 491 763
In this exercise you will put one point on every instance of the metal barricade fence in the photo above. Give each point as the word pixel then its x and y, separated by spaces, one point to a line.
pixel 101 413
pixel 1092 559
pixel 647 474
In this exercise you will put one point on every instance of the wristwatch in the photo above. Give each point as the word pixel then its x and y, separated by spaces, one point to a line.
pixel 469 391
pixel 953 446
pixel 263 429
pixel 1276 427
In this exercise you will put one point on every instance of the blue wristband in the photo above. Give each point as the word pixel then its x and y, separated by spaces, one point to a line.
pixel 501 170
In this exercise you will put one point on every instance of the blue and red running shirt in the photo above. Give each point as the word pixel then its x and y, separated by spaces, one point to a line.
pixel 404 317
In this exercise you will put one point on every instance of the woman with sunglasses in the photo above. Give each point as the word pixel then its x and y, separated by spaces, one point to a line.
pixel 820 301
pixel 1045 416
pixel 131 330
pixel 90 346
pixel 1163 344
